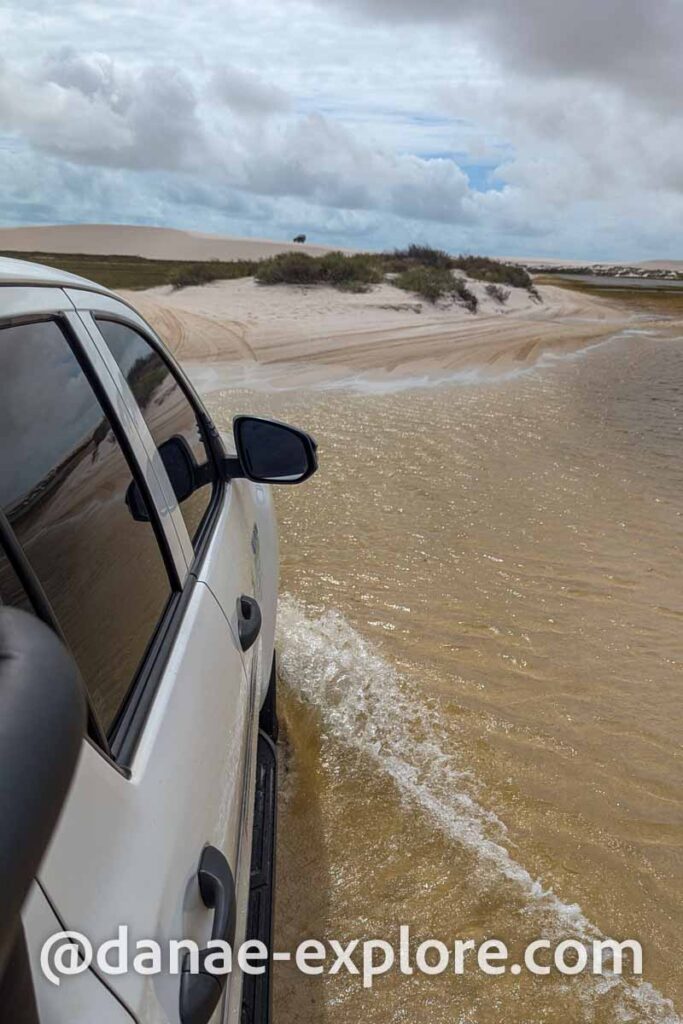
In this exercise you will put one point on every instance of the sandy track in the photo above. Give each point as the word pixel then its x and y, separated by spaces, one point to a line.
pixel 326 334
pixel 192 335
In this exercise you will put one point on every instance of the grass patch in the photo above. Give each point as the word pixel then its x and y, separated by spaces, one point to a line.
pixel 430 283
pixel 418 268
pixel 136 272
pixel 354 273
pixel 651 300
pixel 434 283
pixel 195 274
pixel 481 268
pixel 419 255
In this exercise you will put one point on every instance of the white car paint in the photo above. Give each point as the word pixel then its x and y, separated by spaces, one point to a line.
pixel 126 849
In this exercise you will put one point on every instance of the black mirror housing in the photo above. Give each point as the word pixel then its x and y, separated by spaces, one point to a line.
pixel 183 473
pixel 181 466
pixel 271 452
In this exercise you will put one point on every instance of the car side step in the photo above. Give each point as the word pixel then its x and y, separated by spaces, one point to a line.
pixel 256 989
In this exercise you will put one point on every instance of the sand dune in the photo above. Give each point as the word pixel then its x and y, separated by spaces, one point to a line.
pixel 152 243
pixel 286 335
pixel 174 244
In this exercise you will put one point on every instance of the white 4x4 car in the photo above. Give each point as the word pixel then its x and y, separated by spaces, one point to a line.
pixel 138 583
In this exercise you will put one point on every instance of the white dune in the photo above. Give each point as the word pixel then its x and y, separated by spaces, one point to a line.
pixel 286 335
pixel 150 242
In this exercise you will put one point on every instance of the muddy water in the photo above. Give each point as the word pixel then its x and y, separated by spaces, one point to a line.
pixel 481 650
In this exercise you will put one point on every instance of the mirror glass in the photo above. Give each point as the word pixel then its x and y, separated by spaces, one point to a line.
pixel 273 452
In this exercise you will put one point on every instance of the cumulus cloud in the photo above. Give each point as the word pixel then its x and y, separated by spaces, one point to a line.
pixel 88 109
pixel 626 42
pixel 528 127
pixel 91 110
pixel 243 92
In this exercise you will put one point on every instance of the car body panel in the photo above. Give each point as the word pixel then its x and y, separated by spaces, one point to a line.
pixel 126 851
pixel 82 997
pixel 258 515
pixel 24 272
pixel 101 301
pixel 23 301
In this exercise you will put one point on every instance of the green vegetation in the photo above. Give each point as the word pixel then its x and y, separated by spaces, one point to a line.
pixel 431 283
pixel 420 255
pixel 135 272
pixel 481 268
pixel 204 273
pixel 653 300
pixel 434 283
pixel 500 294
pixel 465 295
pixel 350 273
pixel 418 268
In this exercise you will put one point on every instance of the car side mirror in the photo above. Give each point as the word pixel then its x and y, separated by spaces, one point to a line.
pixel 183 473
pixel 42 725
pixel 270 452
pixel 181 466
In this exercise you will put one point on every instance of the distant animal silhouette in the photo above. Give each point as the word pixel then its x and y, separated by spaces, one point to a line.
pixel 299 238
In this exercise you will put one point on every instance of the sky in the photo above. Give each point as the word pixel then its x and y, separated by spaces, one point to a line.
pixel 529 128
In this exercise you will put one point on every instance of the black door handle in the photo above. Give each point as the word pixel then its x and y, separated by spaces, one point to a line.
pixel 248 621
pixel 199 993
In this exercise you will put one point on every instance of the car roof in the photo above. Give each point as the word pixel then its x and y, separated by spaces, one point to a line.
pixel 23 272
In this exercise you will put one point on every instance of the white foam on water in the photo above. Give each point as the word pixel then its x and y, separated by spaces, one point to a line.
pixel 367 705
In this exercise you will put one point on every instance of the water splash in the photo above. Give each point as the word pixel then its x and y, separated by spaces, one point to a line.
pixel 367 705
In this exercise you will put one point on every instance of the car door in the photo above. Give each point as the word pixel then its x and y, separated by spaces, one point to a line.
pixel 163 772
pixel 226 556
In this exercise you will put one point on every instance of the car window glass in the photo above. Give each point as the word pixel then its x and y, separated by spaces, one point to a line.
pixel 11 589
pixel 163 403
pixel 63 485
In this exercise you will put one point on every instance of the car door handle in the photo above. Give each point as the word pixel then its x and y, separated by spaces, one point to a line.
pixel 199 993
pixel 248 621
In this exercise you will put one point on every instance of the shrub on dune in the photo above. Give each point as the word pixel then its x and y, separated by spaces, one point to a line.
pixel 422 255
pixel 351 273
pixel 431 283
pixel 434 283
pixel 481 268
pixel 289 268
pixel 499 294
pixel 193 274
pixel 465 295
pixel 339 269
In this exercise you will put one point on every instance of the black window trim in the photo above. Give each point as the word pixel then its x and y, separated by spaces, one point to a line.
pixel 112 741
pixel 210 436
pixel 128 726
